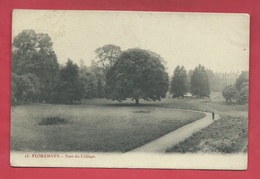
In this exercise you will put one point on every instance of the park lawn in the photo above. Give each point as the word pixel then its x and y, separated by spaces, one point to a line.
pixel 215 104
pixel 227 135
pixel 93 127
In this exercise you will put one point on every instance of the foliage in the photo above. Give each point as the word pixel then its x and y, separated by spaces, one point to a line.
pixel 164 63
pixel 69 87
pixel 107 55
pixel 238 91
pixel 33 54
pixel 56 120
pixel 242 86
pixel 242 80
pixel 200 82
pixel 230 93
pixel 179 83
pixel 221 80
pixel 93 79
pixel 242 96
pixel 25 87
pixel 218 80
pixel 136 74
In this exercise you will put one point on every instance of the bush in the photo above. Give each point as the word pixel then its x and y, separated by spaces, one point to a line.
pixel 229 93
pixel 53 121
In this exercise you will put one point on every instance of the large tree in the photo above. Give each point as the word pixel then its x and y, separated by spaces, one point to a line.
pixel 32 53
pixel 200 82
pixel 179 83
pixel 107 55
pixel 136 74
pixel 69 87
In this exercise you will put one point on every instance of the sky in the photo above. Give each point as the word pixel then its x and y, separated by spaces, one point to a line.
pixel 220 42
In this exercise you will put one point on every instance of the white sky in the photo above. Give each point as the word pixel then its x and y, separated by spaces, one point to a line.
pixel 218 41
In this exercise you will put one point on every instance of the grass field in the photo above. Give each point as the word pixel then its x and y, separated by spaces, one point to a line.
pixel 101 125
pixel 96 125
pixel 227 135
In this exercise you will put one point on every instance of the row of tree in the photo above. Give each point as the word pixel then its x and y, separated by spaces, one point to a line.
pixel 197 83
pixel 37 76
pixel 114 74
pixel 217 80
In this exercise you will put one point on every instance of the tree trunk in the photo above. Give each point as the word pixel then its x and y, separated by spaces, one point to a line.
pixel 137 101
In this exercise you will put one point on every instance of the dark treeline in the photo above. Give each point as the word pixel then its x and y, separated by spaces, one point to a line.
pixel 37 76
pixel 195 82
pixel 114 74
pixel 201 81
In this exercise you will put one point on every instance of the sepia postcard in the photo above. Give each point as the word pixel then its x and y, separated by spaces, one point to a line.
pixel 129 89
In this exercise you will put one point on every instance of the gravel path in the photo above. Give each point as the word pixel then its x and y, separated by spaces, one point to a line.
pixel 169 140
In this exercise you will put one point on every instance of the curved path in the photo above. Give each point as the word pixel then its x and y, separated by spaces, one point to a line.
pixel 169 140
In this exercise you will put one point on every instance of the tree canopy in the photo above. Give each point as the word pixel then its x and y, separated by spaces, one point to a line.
pixel 107 55
pixel 200 82
pixel 69 87
pixel 93 78
pixel 239 91
pixel 32 53
pixel 136 74
pixel 242 80
pixel 229 93
pixel 242 97
pixel 241 85
pixel 179 83
pixel 25 87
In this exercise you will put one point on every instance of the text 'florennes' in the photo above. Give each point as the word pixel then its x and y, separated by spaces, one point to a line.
pixel 86 156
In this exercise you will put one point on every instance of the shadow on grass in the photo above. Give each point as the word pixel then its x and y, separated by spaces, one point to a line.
pixel 131 105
